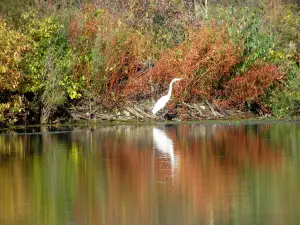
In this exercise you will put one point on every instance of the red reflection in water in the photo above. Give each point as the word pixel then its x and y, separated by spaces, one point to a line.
pixel 122 175
pixel 202 183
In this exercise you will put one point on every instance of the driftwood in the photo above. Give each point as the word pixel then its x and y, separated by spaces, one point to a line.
pixel 144 113
pixel 211 108
pixel 198 109
pixel 201 110
pixel 221 111
pixel 104 117
pixel 79 116
pixel 189 106
pixel 135 113
pixel 192 108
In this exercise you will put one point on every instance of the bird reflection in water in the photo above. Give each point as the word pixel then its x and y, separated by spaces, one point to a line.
pixel 165 146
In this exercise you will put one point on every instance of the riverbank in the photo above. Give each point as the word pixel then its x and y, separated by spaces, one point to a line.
pixel 98 62
pixel 91 112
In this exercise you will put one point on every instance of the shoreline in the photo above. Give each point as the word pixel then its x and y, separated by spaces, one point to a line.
pixel 58 128
pixel 140 113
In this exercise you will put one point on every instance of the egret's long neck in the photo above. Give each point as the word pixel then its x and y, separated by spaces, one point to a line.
pixel 170 88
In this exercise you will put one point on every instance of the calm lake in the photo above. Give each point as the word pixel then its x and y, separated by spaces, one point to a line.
pixel 162 174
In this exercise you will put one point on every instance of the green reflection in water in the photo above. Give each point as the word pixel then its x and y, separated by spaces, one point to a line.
pixel 202 174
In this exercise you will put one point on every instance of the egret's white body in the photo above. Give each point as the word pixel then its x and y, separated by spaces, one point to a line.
pixel 164 99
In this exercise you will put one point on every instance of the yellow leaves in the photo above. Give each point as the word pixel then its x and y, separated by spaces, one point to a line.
pixel 39 29
pixel 73 94
pixel 280 55
pixel 25 15
pixel 13 45
pixel 11 110
pixel 73 91
pixel 2 69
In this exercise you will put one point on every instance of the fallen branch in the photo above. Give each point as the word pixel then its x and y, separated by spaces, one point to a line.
pixel 198 109
pixel 79 116
pixel 211 108
pixel 221 111
pixel 104 117
pixel 135 113
pixel 144 113
pixel 195 107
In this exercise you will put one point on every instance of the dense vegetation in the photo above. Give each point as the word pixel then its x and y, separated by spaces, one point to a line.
pixel 59 54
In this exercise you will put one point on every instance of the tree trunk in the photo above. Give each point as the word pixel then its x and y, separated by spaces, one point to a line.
pixel 47 110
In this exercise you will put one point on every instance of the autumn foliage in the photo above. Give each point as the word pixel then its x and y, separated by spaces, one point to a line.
pixel 109 52
pixel 12 48
pixel 251 85
pixel 90 33
pixel 203 61
pixel 128 52
pixel 93 52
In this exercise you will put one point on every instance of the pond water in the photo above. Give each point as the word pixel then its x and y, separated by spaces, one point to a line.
pixel 151 174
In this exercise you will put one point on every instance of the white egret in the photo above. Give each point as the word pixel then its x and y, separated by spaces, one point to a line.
pixel 164 99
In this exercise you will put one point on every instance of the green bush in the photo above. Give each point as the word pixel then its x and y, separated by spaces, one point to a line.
pixel 48 66
pixel 246 28
pixel 283 21
pixel 284 101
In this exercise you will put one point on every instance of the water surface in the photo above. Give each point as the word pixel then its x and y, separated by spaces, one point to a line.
pixel 151 174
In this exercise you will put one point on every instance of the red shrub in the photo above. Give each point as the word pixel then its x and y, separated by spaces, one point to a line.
pixel 204 60
pixel 124 66
pixel 251 85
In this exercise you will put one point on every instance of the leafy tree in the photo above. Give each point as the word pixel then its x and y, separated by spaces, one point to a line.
pixel 48 65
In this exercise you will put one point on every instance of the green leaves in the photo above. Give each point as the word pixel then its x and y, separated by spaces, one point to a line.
pixel 49 65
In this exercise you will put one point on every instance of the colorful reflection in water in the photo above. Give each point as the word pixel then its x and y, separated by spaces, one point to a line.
pixel 152 174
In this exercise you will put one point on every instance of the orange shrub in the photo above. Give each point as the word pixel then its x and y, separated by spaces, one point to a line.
pixel 251 85
pixel 204 60
pixel 125 65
